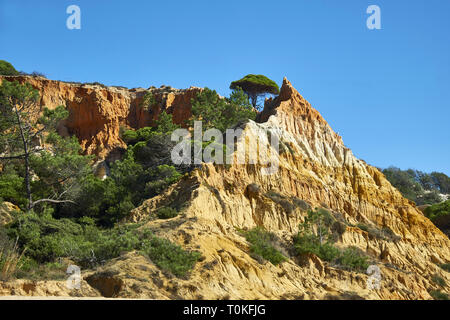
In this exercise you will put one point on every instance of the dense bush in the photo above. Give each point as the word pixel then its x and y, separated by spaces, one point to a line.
pixel 318 223
pixel 317 236
pixel 129 184
pixel 438 295
pixel 160 178
pixel 441 182
pixel 30 269
pixel 439 214
pixel 47 239
pixel 154 151
pixel 438 210
pixel 109 200
pixel 306 244
pixel 352 258
pixel 219 113
pixel 12 186
pixel 163 126
pixel 262 244
pixel 169 256
pixel 166 213
pixel 445 266
pixel 282 200
pixel 438 280
pixel 7 69
pixel 61 169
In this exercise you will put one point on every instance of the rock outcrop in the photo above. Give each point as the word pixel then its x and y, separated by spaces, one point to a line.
pixel 6 209
pixel 97 112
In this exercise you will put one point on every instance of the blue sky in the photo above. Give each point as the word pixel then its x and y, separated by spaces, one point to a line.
pixel 387 92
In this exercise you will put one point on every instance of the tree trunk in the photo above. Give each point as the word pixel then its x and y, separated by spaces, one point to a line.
pixel 254 99
pixel 27 159
pixel 27 180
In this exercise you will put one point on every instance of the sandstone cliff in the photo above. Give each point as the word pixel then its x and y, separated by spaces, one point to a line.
pixel 97 112
pixel 314 166
pixel 319 169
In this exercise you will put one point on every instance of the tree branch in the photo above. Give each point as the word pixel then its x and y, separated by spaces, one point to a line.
pixel 52 201
pixel 12 157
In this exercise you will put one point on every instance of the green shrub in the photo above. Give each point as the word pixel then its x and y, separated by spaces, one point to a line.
pixel 438 210
pixel 363 227
pixel 12 187
pixel 7 69
pixel 307 244
pixel 352 258
pixel 303 205
pixel 165 124
pixel 438 295
pixel 153 151
pixel 166 213
pixel 439 214
pixel 48 271
pixel 438 280
pixel 338 228
pixel 170 257
pixel 282 200
pixel 262 245
pixel 445 266
pixel 130 136
pixel 316 236
pixel 47 239
pixel 160 178
pixel 318 223
pixel 129 184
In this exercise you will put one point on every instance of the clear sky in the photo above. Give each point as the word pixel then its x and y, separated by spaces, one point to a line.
pixel 387 92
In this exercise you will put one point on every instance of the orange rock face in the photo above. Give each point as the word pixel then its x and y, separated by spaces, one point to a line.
pixel 97 112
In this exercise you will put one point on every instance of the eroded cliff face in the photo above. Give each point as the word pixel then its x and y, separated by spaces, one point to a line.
pixel 313 166
pixel 98 112
pixel 316 167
